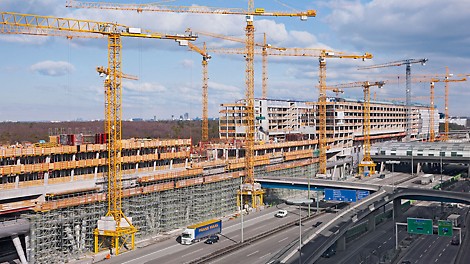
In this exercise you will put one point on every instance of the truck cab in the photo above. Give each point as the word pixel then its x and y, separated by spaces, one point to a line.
pixel 187 237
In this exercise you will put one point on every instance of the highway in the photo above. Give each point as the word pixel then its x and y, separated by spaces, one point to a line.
pixel 171 252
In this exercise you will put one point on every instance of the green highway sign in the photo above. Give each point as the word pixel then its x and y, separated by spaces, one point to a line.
pixel 419 226
pixel 444 228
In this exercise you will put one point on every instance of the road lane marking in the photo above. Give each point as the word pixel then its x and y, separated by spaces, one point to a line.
pixel 155 252
pixel 421 256
pixel 435 260
pixel 282 239
pixel 252 253
pixel 440 254
pixel 385 242
pixel 192 252
pixel 265 255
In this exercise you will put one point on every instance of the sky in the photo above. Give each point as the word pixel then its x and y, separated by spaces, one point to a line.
pixel 54 78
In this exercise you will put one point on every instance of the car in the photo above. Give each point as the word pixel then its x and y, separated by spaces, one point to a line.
pixel 406 262
pixel 212 239
pixel 455 241
pixel 281 213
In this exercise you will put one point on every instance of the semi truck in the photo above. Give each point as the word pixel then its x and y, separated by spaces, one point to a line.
pixel 194 233
pixel 456 219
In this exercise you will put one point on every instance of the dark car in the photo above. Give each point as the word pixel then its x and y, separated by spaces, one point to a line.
pixel 455 241
pixel 317 224
pixel 212 239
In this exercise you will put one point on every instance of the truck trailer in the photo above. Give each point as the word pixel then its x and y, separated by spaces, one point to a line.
pixel 195 233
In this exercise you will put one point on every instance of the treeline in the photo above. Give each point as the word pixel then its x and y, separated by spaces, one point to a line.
pixel 18 132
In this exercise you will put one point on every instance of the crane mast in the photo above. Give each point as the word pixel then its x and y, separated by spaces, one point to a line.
pixel 205 87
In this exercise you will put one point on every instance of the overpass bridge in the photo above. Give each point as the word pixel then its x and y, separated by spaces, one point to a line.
pixel 314 244
pixel 315 184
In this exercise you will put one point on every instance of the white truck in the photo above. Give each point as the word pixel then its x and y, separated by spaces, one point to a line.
pixel 195 233
pixel 456 219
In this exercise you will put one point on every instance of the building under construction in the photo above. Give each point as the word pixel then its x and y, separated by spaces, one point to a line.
pixel 52 195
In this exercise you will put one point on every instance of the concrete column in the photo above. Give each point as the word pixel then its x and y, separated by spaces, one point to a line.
pixel 19 249
pixel 46 178
pixel 371 222
pixel 341 243
pixel 397 208
pixel 28 247
pixel 72 173
pixel 382 166
pixel 171 164
pixel 17 181
pixel 418 168
pixel 96 172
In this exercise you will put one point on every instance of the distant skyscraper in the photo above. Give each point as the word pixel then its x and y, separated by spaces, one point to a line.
pixel 186 116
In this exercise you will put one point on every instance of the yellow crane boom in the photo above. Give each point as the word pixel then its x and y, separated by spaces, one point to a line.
pixel 23 23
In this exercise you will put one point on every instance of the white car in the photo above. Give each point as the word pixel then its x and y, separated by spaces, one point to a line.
pixel 281 213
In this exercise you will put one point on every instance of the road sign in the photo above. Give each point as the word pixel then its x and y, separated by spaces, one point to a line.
pixel 419 226
pixel 362 194
pixel 341 195
pixel 444 228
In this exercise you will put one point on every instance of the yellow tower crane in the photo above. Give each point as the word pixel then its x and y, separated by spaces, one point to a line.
pixel 249 189
pixel 205 116
pixel 407 63
pixel 322 54
pixel 445 78
pixel 367 161
pixel 119 229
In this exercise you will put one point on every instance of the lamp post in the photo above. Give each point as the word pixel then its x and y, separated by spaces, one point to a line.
pixel 300 202
pixel 241 206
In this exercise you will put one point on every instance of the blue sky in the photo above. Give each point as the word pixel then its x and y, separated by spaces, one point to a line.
pixel 52 78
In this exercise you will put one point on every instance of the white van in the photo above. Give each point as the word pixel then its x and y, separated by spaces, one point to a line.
pixel 281 213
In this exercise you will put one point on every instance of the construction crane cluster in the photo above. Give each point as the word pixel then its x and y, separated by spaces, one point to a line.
pixel 124 231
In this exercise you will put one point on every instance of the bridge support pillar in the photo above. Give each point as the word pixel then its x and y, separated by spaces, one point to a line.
pixel 341 243
pixel 382 167
pixel 371 222
pixel 396 209
pixel 19 249
pixel 418 168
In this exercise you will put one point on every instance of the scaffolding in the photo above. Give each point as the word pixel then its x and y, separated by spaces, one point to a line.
pixel 66 233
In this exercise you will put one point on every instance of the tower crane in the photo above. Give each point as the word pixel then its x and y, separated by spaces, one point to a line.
pixel 249 189
pixel 367 161
pixel 205 59
pixel 407 63
pixel 122 229
pixel 445 78
pixel 322 55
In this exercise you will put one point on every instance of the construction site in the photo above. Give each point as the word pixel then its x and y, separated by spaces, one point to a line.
pixel 79 194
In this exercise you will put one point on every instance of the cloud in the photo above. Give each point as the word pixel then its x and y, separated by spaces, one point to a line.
pixel 52 68
pixel 143 87
pixel 418 26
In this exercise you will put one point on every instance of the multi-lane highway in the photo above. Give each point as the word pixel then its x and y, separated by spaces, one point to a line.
pixel 171 252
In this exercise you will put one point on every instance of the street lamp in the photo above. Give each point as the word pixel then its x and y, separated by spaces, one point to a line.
pixel 300 202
